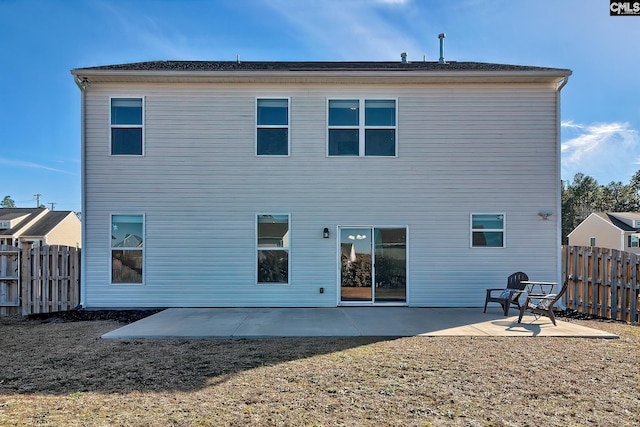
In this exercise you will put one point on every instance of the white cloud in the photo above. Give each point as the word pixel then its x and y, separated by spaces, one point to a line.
pixel 30 165
pixel 605 151
pixel 393 2
pixel 355 30
pixel 156 38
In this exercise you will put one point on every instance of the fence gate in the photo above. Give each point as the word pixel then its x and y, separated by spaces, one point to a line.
pixel 50 279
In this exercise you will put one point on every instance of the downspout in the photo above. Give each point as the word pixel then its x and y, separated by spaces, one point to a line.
pixel 83 84
pixel 560 280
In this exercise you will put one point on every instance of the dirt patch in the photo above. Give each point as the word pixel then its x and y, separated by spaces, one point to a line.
pixel 130 316
pixel 63 374
pixel 576 315
pixel 122 316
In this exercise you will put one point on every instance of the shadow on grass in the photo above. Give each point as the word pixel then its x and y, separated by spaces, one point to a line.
pixel 63 358
pixel 51 356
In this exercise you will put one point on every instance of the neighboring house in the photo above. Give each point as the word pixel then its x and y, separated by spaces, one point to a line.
pixel 612 230
pixel 262 183
pixel 26 227
pixel 348 252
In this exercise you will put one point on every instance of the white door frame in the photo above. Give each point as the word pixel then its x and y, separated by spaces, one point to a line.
pixel 373 271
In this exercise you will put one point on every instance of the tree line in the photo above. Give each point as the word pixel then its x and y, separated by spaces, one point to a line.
pixel 8 202
pixel 583 195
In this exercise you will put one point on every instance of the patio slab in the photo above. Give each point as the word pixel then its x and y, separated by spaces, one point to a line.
pixel 219 323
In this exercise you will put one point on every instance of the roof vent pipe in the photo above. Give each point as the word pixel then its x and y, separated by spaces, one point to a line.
pixel 403 57
pixel 441 36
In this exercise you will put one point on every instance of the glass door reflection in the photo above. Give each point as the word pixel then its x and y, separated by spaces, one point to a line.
pixel 390 258
pixel 356 265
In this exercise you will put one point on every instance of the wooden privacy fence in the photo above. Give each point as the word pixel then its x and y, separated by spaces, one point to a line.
pixel 603 282
pixel 39 280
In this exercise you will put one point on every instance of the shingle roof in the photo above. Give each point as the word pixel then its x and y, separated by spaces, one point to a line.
pixel 17 212
pixel 9 216
pixel 46 223
pixel 616 222
pixel 316 66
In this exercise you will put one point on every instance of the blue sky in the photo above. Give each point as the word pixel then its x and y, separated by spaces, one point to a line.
pixel 42 40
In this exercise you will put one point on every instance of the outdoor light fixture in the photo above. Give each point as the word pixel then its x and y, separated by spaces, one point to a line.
pixel 325 233
pixel 545 214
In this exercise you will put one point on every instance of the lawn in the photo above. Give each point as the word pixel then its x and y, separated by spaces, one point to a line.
pixel 63 374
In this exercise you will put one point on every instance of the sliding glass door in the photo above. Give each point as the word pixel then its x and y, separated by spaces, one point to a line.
pixel 390 261
pixel 373 265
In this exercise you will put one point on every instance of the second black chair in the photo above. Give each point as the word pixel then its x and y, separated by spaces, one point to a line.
pixel 509 295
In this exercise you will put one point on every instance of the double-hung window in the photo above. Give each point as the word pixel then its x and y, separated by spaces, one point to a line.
pixel 273 242
pixel 272 133
pixel 127 122
pixel 127 249
pixel 487 230
pixel 362 127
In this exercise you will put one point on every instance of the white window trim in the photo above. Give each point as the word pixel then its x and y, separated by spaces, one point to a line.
pixel 288 127
pixel 361 124
pixel 111 126
pixel 503 230
pixel 143 249
pixel 271 248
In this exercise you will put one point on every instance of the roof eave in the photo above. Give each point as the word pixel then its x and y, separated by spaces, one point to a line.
pixel 350 76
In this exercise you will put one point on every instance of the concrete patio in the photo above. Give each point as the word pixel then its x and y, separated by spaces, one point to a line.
pixel 219 323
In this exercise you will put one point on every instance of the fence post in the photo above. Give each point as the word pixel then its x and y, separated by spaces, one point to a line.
pixel 575 270
pixel 75 268
pixel 624 280
pixel 25 276
pixel 615 284
pixel 606 285
pixel 9 280
pixel 635 291
pixel 625 286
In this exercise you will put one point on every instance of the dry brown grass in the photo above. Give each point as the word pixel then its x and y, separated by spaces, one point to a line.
pixel 63 374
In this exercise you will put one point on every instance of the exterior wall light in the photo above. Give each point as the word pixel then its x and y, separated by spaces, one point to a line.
pixel 325 233
pixel 545 214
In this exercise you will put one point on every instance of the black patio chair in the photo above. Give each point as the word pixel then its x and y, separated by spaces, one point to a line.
pixel 542 305
pixel 509 295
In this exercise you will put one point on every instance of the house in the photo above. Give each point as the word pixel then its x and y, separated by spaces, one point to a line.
pixel 612 230
pixel 26 227
pixel 252 184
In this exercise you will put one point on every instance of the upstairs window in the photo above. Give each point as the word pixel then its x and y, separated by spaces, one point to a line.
pixel 359 127
pixel 344 128
pixel 487 230
pixel 126 126
pixel 272 120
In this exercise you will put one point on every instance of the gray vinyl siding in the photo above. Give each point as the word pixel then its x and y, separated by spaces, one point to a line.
pixel 461 149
